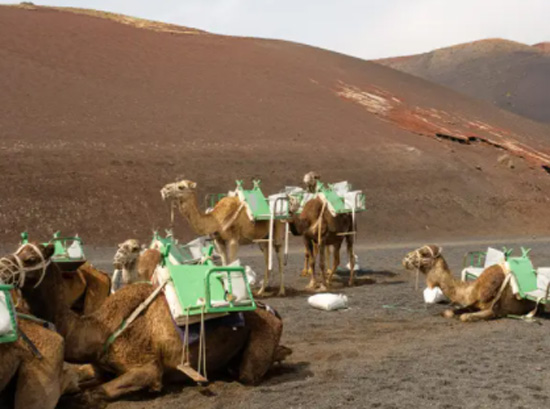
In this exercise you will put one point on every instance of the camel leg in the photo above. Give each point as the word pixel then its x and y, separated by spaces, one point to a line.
pixel 281 270
pixel 263 247
pixel 328 251
pixel 478 316
pixel 455 312
pixel 222 249
pixel 135 379
pixel 233 250
pixel 305 271
pixel 323 267
pixel 311 250
pixel 335 261
pixel 351 258
pixel 262 345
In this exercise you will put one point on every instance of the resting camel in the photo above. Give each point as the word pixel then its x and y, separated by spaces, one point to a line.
pixel 40 381
pixel 133 265
pixel 316 222
pixel 228 224
pixel 86 288
pixel 37 363
pixel 150 349
pixel 489 296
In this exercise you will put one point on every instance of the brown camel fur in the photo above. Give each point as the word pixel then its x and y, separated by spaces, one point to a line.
pixel 136 265
pixel 315 217
pixel 481 299
pixel 40 381
pixel 229 225
pixel 150 349
pixel 86 288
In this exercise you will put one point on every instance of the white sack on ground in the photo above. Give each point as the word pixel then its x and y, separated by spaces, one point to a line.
pixel 328 301
pixel 434 295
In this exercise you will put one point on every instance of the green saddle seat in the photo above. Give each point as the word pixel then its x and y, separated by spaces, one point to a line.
pixel 8 323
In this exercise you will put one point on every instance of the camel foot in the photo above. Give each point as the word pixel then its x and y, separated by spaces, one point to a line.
pixel 90 399
pixel 281 354
pixel 312 284
pixel 351 282
pixel 322 288
pixel 261 291
pixel 448 314
pixel 282 292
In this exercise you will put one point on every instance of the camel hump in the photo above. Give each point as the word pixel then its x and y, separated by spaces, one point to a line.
pixel 489 283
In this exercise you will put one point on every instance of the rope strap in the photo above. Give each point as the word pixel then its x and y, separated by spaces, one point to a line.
pixel 228 223
pixel 126 322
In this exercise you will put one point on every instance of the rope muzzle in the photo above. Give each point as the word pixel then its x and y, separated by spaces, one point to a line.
pixel 15 272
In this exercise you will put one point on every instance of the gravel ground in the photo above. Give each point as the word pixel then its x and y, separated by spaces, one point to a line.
pixel 386 351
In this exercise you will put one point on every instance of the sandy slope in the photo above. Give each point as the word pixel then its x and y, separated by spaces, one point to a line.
pixel 511 75
pixel 96 116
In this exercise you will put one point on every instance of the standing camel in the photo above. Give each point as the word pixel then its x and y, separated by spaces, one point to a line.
pixel 489 296
pixel 150 348
pixel 316 224
pixel 229 225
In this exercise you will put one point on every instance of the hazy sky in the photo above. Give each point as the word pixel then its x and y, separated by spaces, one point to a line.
pixel 366 29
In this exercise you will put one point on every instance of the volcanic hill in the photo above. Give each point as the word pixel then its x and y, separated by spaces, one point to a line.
pixel 511 75
pixel 98 112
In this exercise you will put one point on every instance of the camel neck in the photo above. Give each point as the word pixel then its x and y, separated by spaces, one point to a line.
pixel 296 225
pixel 451 286
pixel 201 223
pixel 129 273
pixel 48 302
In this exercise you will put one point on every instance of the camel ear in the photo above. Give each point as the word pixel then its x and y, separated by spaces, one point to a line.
pixel 49 249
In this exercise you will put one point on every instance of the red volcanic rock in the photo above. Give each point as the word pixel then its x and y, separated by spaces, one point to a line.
pixel 97 114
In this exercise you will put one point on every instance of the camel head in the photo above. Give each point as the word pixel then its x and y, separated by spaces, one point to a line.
pixel 179 190
pixel 423 259
pixel 293 204
pixel 127 253
pixel 27 264
pixel 310 180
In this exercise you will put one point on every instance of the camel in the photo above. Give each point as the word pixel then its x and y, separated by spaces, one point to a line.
pixel 150 349
pixel 40 381
pixel 490 296
pixel 132 264
pixel 35 359
pixel 229 225
pixel 86 288
pixel 310 181
pixel 315 223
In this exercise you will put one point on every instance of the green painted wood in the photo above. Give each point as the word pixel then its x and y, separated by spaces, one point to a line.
pixel 255 200
pixel 199 285
pixel 524 273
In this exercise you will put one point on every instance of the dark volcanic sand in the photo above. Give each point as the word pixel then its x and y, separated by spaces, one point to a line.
pixel 368 356
pixel 96 116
